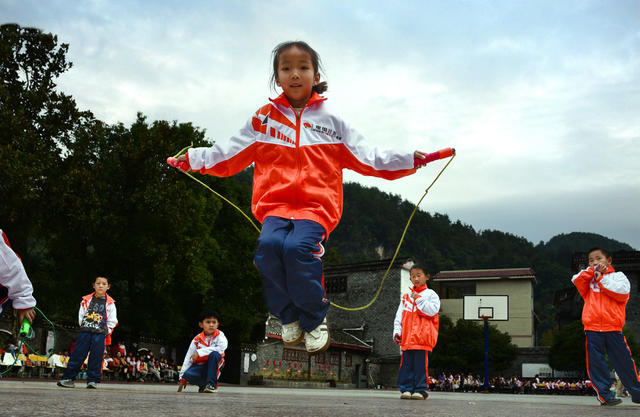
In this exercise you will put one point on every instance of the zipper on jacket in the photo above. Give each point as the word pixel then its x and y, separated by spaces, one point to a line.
pixel 298 158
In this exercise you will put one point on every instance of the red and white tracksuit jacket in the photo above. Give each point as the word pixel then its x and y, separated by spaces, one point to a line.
pixel 204 345
pixel 605 299
pixel 417 320
pixel 112 317
pixel 13 278
pixel 298 161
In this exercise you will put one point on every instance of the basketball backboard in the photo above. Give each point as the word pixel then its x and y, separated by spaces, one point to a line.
pixel 492 307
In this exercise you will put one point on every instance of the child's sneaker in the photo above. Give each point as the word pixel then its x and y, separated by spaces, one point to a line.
pixel 419 396
pixel 66 383
pixel 405 395
pixel 92 385
pixel 292 334
pixel 210 388
pixel 613 401
pixel 318 339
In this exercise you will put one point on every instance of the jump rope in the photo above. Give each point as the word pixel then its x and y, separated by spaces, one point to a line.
pixel 441 154
pixel 26 333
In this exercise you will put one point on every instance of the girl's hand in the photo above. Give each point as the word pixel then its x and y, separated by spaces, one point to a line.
pixel 195 356
pixel 180 162
pixel 27 313
pixel 397 339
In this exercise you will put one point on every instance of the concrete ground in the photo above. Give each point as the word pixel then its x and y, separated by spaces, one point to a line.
pixel 39 398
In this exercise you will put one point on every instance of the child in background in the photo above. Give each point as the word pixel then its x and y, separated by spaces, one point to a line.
pixel 299 149
pixel 415 329
pixel 205 358
pixel 605 294
pixel 97 319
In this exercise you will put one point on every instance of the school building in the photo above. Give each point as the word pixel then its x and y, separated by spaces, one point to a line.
pixel 516 283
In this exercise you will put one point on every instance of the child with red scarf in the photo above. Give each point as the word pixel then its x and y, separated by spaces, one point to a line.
pixel 415 329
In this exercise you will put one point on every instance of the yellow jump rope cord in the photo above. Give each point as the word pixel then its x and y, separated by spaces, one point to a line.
pixel 394 255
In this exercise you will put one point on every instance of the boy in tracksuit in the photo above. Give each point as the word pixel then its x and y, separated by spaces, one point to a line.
pixel 415 329
pixel 205 358
pixel 97 318
pixel 605 294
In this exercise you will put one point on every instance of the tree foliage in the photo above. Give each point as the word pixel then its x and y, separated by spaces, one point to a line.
pixel 460 347
pixel 82 198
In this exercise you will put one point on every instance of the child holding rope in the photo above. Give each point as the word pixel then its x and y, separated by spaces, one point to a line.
pixel 14 283
pixel 299 149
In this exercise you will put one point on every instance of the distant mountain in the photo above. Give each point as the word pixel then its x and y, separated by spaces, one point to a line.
pixel 562 246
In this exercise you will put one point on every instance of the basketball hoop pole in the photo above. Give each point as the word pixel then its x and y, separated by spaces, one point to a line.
pixel 486 353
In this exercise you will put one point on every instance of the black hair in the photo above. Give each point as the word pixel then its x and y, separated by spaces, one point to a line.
pixel 419 266
pixel 321 87
pixel 205 314
pixel 604 251
pixel 100 276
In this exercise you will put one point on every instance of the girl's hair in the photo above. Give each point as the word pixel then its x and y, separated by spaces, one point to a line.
pixel 315 60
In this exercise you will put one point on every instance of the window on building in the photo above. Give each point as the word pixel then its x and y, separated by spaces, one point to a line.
pixel 320 358
pixel 347 359
pixel 334 358
pixel 450 290
pixel 294 355
pixel 335 285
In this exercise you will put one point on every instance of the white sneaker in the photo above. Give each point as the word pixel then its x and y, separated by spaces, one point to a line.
pixel 292 334
pixel 318 339
pixel 406 395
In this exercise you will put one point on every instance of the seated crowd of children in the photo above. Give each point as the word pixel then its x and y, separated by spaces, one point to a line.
pixel 516 385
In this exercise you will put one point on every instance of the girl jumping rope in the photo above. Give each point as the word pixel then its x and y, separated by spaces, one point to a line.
pixel 299 149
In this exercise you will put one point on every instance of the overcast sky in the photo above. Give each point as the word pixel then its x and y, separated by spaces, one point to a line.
pixel 541 99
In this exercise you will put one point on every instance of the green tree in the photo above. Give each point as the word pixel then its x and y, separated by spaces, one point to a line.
pixel 460 348
pixel 567 352
pixel 37 123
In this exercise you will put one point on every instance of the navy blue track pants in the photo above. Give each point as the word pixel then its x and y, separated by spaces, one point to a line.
pixel 205 373
pixel 289 258
pixel 414 371
pixel 93 344
pixel 615 345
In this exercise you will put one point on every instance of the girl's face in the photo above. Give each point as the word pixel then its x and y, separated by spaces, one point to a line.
pixel 296 75
pixel 101 285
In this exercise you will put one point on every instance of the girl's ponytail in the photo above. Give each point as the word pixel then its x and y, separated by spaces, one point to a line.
pixel 321 87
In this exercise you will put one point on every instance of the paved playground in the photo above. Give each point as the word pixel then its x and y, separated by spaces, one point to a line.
pixel 38 398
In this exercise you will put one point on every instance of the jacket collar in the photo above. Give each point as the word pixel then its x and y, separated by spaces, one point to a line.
pixel 420 288
pixel 89 296
pixel 283 101
pixel 202 338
